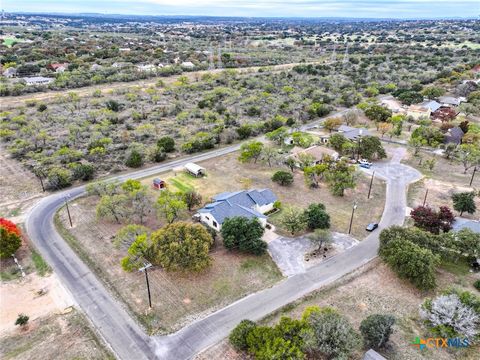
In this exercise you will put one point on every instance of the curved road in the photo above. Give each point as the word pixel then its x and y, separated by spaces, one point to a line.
pixel 128 340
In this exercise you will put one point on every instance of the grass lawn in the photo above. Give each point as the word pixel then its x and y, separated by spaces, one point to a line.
pixel 177 298
pixel 58 336
pixel 374 289
pixel 445 179
pixel 227 174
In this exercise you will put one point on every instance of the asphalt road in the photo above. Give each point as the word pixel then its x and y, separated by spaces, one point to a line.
pixel 129 341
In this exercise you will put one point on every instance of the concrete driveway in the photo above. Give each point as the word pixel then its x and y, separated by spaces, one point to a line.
pixel 289 253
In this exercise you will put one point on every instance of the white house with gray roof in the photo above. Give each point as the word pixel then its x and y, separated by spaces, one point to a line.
pixel 248 203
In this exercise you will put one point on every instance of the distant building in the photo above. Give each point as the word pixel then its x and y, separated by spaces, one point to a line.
pixel 147 67
pixel 96 67
pixel 461 223
pixel 247 203
pixel 417 112
pixel 58 67
pixel 450 100
pixel 319 153
pixel 37 80
pixel 432 105
pixel 10 72
pixel 373 355
pixel 188 65
pixel 352 133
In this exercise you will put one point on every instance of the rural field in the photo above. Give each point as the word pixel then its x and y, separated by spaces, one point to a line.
pixel 65 335
pixel 374 289
pixel 440 185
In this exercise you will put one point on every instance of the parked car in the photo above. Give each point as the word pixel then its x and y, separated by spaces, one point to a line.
pixel 365 161
pixel 366 166
pixel 371 226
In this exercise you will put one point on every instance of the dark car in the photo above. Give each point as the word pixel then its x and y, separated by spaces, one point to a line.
pixel 371 226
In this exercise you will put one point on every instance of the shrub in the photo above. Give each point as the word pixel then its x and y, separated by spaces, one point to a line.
pixel 464 201
pixel 283 178
pixel 167 143
pixel 59 178
pixel 10 238
pixel 476 284
pixel 22 320
pixel 134 159
pixel 316 217
pixel 238 336
pixel 376 330
pixel 243 234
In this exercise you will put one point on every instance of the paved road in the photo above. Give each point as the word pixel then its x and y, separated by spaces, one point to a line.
pixel 129 341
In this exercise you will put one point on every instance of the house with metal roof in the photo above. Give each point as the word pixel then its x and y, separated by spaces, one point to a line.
pixel 432 105
pixel 247 203
pixel 352 133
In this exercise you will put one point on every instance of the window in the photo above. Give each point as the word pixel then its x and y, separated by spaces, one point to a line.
pixel 206 217
pixel 215 224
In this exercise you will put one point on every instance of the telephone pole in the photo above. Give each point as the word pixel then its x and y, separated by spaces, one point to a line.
pixel 473 175
pixel 145 270
pixel 354 207
pixel 425 198
pixel 371 183
pixel 68 210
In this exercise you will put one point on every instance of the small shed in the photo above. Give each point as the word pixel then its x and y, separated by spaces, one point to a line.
pixel 194 169
pixel 159 184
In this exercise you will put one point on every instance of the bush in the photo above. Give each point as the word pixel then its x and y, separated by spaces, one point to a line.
pixel 158 154
pixel 10 238
pixel 411 261
pixel 238 336
pixel 283 178
pixel 243 234
pixel 83 172
pixel 476 284
pixel 58 178
pixel 134 159
pixel 22 320
pixel 316 217
pixel 167 143
pixel 376 330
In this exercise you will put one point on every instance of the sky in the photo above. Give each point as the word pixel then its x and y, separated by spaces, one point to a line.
pixel 257 8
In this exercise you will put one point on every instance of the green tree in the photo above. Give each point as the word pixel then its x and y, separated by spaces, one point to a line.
pixel 22 320
pixel 313 174
pixel 411 262
pixel 134 159
pixel 283 178
pixel 170 204
pixel 378 113
pixel 337 141
pixel 58 178
pixel 464 201
pixel 238 336
pixel 292 219
pixel 140 251
pixel 433 92
pixel 370 147
pixel 316 217
pixel 113 207
pixel 376 330
pixel 244 234
pixel 278 135
pixel 321 238
pixel 182 246
pixel 166 143
pixel 340 178
pixel 332 123
pixel 127 234
pixel 330 334
pixel 250 151
pixel 410 97
pixel 192 198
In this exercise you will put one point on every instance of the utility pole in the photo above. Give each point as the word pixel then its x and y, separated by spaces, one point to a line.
pixel 68 210
pixel 371 183
pixel 425 198
pixel 354 207
pixel 145 270
pixel 473 175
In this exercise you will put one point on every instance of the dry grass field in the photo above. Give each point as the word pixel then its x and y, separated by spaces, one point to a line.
pixel 177 298
pixel 373 289
pixel 66 336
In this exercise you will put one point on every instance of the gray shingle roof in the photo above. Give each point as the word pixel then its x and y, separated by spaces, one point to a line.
pixel 238 203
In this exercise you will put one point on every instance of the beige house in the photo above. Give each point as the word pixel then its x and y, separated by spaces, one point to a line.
pixel 319 153
pixel 417 112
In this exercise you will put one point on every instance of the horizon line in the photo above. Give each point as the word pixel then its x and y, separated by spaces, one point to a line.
pixel 243 16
